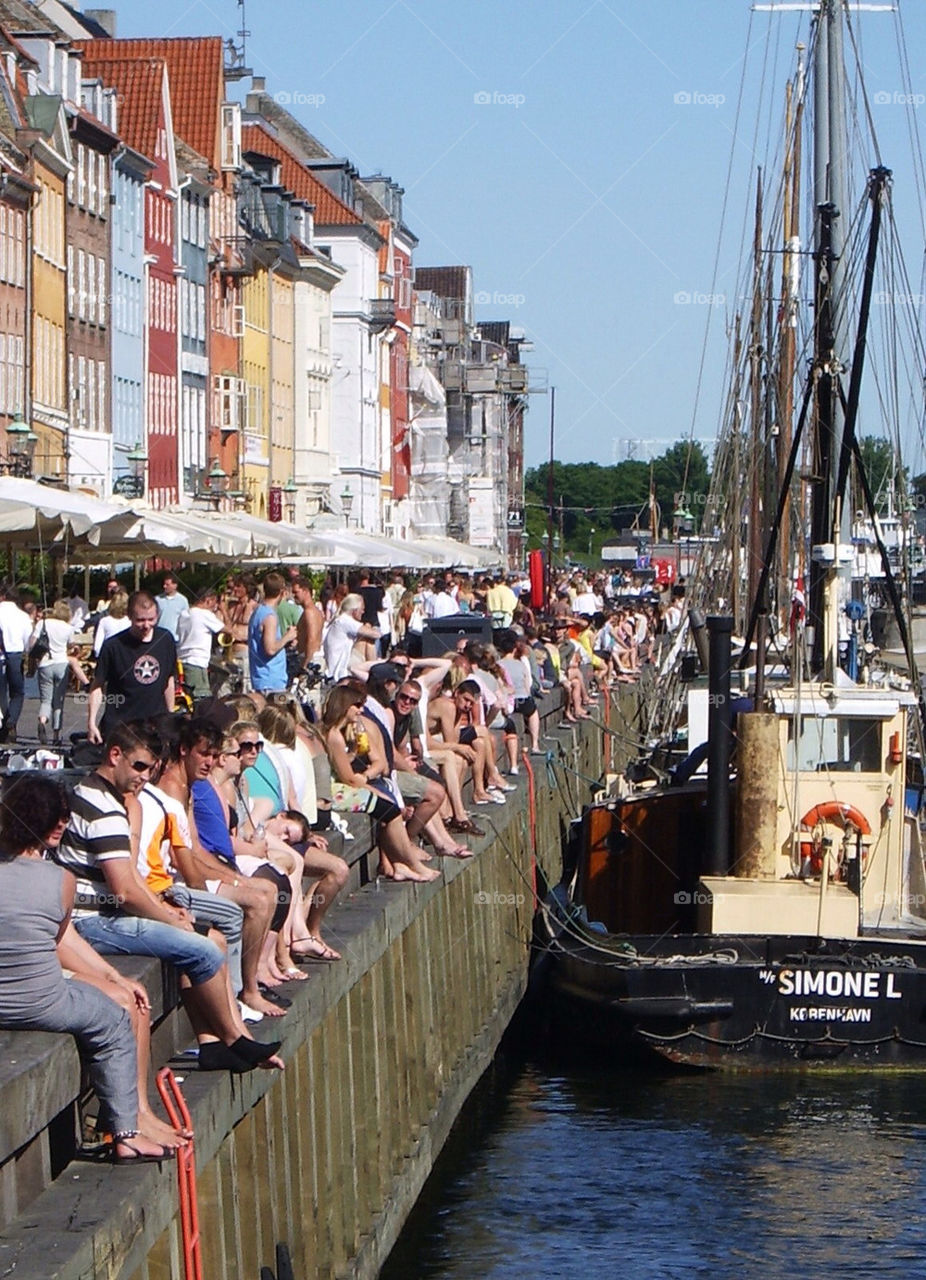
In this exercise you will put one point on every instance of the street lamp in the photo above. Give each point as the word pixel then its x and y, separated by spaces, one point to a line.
pixel 218 483
pixel 591 535
pixel 20 444
pixel 347 504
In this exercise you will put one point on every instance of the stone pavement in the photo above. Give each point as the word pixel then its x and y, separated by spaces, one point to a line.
pixel 73 720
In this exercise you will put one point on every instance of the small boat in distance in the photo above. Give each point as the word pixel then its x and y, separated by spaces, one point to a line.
pixel 772 913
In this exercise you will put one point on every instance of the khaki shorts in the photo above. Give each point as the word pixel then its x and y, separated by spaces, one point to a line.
pixel 413 786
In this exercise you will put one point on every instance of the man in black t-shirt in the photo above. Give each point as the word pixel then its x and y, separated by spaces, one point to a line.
pixel 134 677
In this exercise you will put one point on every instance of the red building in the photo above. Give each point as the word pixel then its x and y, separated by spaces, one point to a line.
pixel 145 122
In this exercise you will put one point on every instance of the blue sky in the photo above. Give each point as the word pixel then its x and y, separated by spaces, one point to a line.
pixel 575 154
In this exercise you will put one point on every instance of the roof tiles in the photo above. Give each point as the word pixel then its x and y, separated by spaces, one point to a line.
pixel 139 84
pixel 329 210
pixel 197 87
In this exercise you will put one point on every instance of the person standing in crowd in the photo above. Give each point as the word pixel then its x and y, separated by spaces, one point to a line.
pixel 15 631
pixel 114 620
pixel 442 604
pixel 342 634
pixel 78 606
pixel 195 632
pixel 374 613
pixel 311 622
pixel 171 604
pixel 135 672
pixel 267 640
pixel 52 669
pixel 241 604
pixel 501 602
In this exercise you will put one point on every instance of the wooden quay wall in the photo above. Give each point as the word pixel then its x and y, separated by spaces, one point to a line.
pixel 381 1051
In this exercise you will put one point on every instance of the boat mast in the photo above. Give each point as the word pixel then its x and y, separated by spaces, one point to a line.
pixel 790 296
pixel 757 435
pixel 830 525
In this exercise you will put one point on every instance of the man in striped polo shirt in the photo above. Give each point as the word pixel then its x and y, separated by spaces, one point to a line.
pixel 119 915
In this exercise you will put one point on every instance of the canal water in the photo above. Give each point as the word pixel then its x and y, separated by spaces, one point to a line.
pixel 582 1172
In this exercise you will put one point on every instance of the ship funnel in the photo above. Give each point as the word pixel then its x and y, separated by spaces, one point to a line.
pixel 719 747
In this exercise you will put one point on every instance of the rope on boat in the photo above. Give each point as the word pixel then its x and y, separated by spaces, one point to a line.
pixel 759 1033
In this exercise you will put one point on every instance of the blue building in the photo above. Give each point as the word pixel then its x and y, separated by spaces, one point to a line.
pixel 193 241
pixel 131 172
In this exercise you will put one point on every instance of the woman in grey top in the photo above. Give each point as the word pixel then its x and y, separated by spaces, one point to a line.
pixel 35 925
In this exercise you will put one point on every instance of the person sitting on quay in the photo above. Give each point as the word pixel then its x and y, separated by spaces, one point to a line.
pixel 517 668
pixel 452 718
pixel 119 915
pixel 415 790
pixel 37 937
pixel 410 709
pixel 192 748
pixel 496 706
pixel 164 862
pixel 289 844
pixel 358 765
pixel 135 672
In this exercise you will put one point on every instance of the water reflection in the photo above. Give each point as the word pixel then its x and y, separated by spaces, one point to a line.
pixel 587 1172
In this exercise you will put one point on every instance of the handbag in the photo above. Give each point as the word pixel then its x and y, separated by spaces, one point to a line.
pixel 38 651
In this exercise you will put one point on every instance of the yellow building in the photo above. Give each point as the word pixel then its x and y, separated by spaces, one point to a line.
pixel 49 408
pixel 254 467
pixel 282 422
pixel 267 361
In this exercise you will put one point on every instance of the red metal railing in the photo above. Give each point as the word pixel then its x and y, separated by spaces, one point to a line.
pixel 179 1116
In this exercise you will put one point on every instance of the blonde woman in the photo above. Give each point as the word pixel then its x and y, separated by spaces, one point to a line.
pixel 52 667
pixel 115 619
pixel 356 770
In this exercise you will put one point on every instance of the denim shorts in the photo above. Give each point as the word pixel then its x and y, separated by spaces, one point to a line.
pixel 193 955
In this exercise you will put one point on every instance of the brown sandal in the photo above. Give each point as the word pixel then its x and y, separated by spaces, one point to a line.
pixel 465 827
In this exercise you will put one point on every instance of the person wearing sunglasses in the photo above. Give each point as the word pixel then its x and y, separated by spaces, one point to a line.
pixel 119 915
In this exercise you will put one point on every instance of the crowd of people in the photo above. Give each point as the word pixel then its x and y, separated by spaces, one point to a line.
pixel 201 836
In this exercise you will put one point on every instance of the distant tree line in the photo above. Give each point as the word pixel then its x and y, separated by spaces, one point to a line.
pixel 593 504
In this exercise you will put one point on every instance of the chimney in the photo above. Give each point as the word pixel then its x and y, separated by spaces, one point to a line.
pixel 258 84
pixel 106 18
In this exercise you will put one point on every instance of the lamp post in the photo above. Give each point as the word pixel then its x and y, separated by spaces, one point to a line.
pixel 684 524
pixel 290 489
pixel 591 537
pixel 218 483
pixel 21 442
pixel 347 504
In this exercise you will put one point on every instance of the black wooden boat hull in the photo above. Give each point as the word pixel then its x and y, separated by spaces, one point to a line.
pixel 742 1002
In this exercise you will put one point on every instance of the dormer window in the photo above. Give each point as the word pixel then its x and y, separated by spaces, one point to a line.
pixel 231 135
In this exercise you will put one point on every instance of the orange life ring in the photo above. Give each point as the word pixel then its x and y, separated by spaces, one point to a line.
pixel 830 811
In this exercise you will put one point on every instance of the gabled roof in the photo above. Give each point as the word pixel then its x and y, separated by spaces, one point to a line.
pixel 446 282
pixel 24 19
pixel 295 177
pixel 197 84
pixel 140 85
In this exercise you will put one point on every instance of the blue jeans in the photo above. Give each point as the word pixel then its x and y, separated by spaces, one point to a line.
pixel 15 689
pixel 193 955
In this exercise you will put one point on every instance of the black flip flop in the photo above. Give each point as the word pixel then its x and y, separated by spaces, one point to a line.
pixel 282 1002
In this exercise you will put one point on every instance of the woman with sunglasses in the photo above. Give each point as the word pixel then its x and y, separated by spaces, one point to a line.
pixel 36 938
pixel 353 776
pixel 300 937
